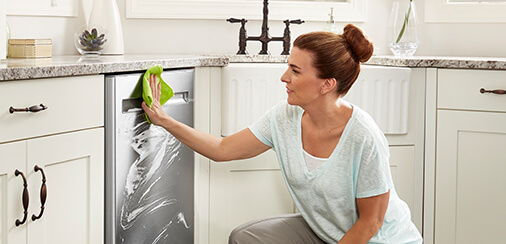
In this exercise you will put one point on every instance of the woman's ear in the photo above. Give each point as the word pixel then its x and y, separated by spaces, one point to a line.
pixel 328 85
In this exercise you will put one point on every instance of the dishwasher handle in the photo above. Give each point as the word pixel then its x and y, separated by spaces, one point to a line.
pixel 134 105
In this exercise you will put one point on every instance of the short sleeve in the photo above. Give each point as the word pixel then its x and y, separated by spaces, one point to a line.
pixel 262 128
pixel 374 176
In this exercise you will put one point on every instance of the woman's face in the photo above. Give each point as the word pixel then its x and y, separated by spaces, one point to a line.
pixel 302 83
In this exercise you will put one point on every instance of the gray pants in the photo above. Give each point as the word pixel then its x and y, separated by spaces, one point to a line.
pixel 287 229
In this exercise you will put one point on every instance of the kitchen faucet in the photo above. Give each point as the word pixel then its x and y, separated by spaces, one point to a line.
pixel 264 38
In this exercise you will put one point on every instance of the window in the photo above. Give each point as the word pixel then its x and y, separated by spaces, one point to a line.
pixel 66 8
pixel 465 11
pixel 476 1
pixel 316 10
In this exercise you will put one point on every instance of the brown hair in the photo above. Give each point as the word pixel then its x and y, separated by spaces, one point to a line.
pixel 337 56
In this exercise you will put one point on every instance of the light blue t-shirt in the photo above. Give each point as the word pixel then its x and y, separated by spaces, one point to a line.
pixel 357 168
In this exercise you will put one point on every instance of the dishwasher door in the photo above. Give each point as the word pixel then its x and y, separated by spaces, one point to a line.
pixel 149 173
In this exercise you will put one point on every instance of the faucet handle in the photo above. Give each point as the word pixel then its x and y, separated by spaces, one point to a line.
pixel 242 34
pixel 234 20
pixel 296 21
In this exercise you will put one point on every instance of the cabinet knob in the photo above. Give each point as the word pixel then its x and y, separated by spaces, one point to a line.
pixel 25 198
pixel 43 193
pixel 497 91
pixel 33 109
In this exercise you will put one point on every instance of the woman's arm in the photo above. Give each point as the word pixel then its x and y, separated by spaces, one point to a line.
pixel 240 145
pixel 371 212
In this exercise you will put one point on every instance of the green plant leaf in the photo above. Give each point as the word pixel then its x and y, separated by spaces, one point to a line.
pixel 404 25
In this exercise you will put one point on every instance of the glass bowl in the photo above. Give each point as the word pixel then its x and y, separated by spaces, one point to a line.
pixel 90 39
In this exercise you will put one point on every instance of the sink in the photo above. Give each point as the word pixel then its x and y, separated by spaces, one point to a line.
pixel 250 89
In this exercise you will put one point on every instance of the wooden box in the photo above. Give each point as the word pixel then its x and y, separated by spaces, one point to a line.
pixel 30 48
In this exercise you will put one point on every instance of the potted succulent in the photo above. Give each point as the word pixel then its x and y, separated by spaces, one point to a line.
pixel 90 40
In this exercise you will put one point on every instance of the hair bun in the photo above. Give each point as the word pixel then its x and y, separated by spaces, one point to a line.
pixel 360 45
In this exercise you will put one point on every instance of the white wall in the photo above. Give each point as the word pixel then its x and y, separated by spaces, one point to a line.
pixel 145 36
pixel 2 30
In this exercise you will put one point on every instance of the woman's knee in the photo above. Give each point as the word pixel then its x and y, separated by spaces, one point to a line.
pixel 279 229
pixel 252 232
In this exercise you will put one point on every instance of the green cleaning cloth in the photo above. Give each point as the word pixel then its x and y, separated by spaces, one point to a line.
pixel 144 89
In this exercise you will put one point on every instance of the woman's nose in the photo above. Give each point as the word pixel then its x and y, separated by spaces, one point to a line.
pixel 284 77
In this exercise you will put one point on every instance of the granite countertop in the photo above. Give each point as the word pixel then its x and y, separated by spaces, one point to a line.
pixel 416 61
pixel 493 63
pixel 16 69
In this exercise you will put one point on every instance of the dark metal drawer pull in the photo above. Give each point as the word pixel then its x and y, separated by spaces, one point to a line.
pixel 33 109
pixel 498 91
pixel 43 193
pixel 25 198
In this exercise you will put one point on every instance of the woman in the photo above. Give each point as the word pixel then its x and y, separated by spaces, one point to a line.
pixel 332 154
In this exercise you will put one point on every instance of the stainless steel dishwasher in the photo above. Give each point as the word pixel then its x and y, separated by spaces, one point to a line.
pixel 149 174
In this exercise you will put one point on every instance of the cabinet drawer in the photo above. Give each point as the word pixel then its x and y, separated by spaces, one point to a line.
pixel 460 89
pixel 73 103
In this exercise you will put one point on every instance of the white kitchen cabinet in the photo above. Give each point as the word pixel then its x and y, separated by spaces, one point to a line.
pixel 13 157
pixel 407 151
pixel 402 168
pixel 70 155
pixel 207 118
pixel 470 180
pixel 469 166
pixel 74 167
pixel 244 190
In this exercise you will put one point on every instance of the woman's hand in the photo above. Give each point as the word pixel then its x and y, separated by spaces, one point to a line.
pixel 156 114
pixel 240 145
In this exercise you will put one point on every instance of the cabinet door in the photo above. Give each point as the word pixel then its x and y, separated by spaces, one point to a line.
pixel 402 166
pixel 470 167
pixel 73 164
pixel 245 190
pixel 12 157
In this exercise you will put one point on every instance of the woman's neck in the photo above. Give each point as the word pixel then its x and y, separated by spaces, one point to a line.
pixel 326 112
pixel 322 126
